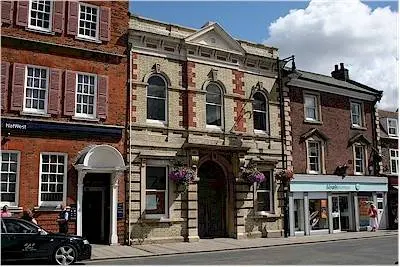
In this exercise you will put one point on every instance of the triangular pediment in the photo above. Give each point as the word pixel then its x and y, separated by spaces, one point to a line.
pixel 214 36
pixel 359 138
pixel 314 133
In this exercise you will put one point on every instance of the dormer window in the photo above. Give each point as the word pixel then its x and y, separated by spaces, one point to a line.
pixel 392 127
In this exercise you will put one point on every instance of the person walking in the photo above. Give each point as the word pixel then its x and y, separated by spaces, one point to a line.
pixel 63 219
pixel 373 217
pixel 5 212
pixel 28 216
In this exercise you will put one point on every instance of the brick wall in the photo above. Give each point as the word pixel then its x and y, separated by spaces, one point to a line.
pixel 336 125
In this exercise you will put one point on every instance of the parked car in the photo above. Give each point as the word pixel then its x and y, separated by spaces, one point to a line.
pixel 23 240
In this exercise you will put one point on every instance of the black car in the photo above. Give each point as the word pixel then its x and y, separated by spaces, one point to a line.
pixel 23 240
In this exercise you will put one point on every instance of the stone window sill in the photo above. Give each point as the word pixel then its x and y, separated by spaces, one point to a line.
pixel 85 119
pixel 87 40
pixel 43 115
pixel 358 128
pixel 162 220
pixel 39 31
pixel 47 208
pixel 313 122
pixel 14 209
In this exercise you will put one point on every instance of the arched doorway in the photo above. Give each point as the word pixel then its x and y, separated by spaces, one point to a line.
pixel 212 195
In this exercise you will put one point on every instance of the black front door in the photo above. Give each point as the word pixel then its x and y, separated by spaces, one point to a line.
pixel 212 201
pixel 96 208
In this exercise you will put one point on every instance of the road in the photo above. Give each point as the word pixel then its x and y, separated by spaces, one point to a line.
pixel 367 251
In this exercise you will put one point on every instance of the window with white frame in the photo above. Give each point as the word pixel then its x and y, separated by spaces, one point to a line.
pixel 36 90
pixel 356 114
pixel 314 156
pixel 260 112
pixel 40 16
pixel 9 177
pixel 359 159
pixel 265 194
pixel 53 178
pixel 311 107
pixel 88 21
pixel 156 191
pixel 157 99
pixel 394 161
pixel 392 126
pixel 213 105
pixel 86 93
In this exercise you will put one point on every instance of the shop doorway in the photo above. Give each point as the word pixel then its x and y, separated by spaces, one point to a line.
pixel 340 213
pixel 96 208
pixel 212 201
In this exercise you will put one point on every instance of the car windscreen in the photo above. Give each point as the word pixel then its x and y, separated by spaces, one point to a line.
pixel 19 227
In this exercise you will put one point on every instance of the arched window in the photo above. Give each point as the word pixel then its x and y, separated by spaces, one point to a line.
pixel 260 112
pixel 214 105
pixel 156 99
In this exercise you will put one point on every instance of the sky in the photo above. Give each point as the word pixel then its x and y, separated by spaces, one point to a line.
pixel 320 33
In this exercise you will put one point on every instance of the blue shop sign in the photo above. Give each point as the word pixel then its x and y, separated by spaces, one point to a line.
pixel 303 186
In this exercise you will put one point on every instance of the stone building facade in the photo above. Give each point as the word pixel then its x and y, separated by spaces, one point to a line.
pixel 64 106
pixel 389 142
pixel 336 153
pixel 204 100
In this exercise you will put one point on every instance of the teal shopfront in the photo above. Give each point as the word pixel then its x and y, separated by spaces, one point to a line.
pixel 329 204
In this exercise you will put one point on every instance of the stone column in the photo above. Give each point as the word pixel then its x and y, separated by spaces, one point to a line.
pixel 79 201
pixel 113 209
pixel 351 211
pixel 306 215
pixel 330 208
pixel 193 233
pixel 291 214
pixel 356 213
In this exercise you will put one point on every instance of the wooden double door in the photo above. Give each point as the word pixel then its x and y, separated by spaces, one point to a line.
pixel 212 199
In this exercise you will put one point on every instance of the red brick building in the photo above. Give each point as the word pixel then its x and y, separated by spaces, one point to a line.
pixel 333 131
pixel 389 141
pixel 64 106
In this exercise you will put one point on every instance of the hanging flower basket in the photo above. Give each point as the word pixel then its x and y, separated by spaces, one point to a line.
pixel 181 175
pixel 285 175
pixel 251 175
pixel 341 170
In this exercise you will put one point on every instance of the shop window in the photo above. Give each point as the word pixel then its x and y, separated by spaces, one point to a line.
pixel 86 95
pixel 214 105
pixel 260 112
pixel 88 21
pixel 318 217
pixel 359 159
pixel 156 192
pixel 394 161
pixel 36 90
pixel 156 99
pixel 363 204
pixel 356 114
pixel 9 178
pixel 299 215
pixel 40 16
pixel 392 127
pixel 265 194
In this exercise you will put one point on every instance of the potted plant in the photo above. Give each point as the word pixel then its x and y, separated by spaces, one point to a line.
pixel 285 175
pixel 251 175
pixel 181 175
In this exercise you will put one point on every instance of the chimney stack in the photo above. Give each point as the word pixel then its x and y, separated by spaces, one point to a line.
pixel 340 74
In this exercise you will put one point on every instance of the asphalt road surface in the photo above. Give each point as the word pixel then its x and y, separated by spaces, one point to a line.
pixel 367 251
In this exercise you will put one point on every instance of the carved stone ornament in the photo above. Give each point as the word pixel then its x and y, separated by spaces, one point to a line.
pixel 213 75
pixel 157 68
pixel 194 158
pixel 259 86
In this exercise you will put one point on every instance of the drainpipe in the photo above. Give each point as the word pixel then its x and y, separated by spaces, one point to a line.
pixel 130 141
pixel 374 138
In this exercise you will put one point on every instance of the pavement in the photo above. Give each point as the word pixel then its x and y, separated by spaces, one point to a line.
pixel 102 252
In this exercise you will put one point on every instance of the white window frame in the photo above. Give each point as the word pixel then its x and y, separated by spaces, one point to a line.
pixel 316 107
pixel 364 163
pixel 83 115
pixel 160 122
pixel 157 163
pixel 50 18
pixel 361 115
pixel 321 156
pixel 395 127
pixel 271 195
pixel 14 204
pixel 394 160
pixel 46 97
pixel 97 22
pixel 53 203
pixel 222 106
pixel 266 114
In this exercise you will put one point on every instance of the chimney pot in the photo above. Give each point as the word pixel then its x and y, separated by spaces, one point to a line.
pixel 341 66
pixel 336 68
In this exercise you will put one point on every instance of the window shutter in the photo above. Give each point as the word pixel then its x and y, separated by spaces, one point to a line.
pixel 70 88
pixel 72 26
pixel 105 23
pixel 58 16
pixel 7 8
pixel 54 91
pixel 102 96
pixel 17 94
pixel 22 13
pixel 5 72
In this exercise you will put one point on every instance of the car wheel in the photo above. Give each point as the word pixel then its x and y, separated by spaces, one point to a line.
pixel 64 255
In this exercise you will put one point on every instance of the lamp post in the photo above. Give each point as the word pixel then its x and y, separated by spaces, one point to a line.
pixel 281 63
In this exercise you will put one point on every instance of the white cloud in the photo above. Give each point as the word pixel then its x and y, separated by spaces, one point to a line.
pixel 329 32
